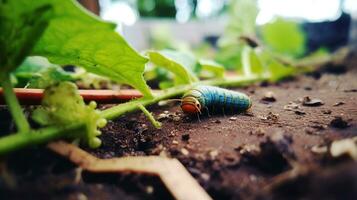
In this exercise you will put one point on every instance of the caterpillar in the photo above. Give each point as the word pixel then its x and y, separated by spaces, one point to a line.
pixel 214 99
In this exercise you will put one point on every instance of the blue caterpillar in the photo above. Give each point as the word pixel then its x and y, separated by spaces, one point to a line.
pixel 214 99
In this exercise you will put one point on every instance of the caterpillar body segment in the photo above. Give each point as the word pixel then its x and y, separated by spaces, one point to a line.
pixel 214 99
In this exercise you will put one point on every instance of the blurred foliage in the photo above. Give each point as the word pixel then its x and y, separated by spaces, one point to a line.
pixel 157 8
pixel 285 37
pixel 242 16
pixel 38 72
pixel 172 68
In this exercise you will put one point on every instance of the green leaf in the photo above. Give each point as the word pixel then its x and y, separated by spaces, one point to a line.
pixel 284 37
pixel 213 67
pixel 256 65
pixel 62 105
pixel 37 72
pixel 182 65
pixel 274 68
pixel 77 37
pixel 22 23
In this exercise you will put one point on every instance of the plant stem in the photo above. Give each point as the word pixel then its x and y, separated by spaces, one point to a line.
pixel 150 116
pixel 14 106
pixel 17 141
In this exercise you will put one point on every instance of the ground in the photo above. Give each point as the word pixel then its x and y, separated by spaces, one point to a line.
pixel 277 150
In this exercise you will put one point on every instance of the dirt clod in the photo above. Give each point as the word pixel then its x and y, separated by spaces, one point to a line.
pixel 185 137
pixel 269 97
pixel 339 122
pixel 273 154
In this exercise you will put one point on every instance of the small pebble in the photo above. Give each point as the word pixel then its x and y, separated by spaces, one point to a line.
pixel 307 101
pixel 175 142
pixel 339 103
pixel 184 151
pixel 233 118
pixel 317 149
pixel 205 177
pixel 269 96
pixel 326 112
pixel 217 121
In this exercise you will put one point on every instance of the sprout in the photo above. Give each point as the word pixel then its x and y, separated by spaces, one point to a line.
pixel 63 105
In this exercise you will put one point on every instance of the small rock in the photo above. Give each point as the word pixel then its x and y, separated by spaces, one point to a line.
pixel 149 189
pixel 299 112
pixel 233 118
pixel 184 151
pixel 213 154
pixel 308 88
pixel 253 178
pixel 185 137
pixel 339 103
pixel 338 122
pixel 269 96
pixel 81 196
pixel 326 112
pixel 217 121
pixel 205 177
pixel 176 118
pixel 291 106
pixel 259 132
pixel 175 142
pixel 346 146
pixel 247 148
pixel 307 101
pixel 318 149
pixel 273 117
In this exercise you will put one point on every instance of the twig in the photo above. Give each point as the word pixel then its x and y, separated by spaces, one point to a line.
pixel 172 173
pixel 34 96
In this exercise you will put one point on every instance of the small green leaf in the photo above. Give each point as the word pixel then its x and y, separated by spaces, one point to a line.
pixel 62 105
pixel 77 37
pixel 182 65
pixel 213 67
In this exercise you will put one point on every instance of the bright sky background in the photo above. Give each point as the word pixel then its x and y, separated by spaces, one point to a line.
pixel 124 12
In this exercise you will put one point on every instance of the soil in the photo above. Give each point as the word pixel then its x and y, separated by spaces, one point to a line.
pixel 267 153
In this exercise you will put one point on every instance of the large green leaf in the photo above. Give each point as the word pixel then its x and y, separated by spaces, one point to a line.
pixel 284 37
pixel 22 23
pixel 74 36
pixel 182 65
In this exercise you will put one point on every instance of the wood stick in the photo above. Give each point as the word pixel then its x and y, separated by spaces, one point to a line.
pixel 34 96
pixel 172 173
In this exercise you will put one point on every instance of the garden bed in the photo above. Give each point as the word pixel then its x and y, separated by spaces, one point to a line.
pixel 275 150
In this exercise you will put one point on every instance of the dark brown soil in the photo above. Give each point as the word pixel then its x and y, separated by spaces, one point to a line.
pixel 262 154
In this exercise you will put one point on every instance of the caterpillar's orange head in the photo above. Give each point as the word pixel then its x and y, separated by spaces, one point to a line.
pixel 190 105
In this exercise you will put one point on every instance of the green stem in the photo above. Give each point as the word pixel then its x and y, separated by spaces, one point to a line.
pixel 150 116
pixel 14 142
pixel 17 141
pixel 14 106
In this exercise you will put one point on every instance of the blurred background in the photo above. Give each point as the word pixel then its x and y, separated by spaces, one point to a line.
pixel 150 24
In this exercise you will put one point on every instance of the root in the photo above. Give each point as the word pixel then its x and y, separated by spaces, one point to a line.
pixel 172 173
